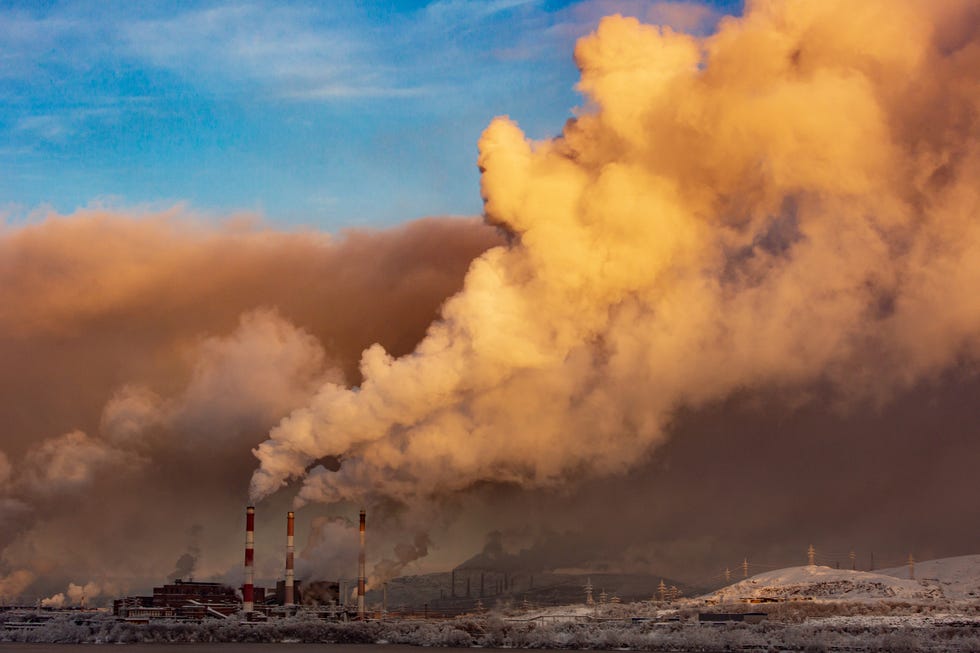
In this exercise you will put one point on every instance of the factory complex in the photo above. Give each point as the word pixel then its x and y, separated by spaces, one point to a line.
pixel 193 600
pixel 460 591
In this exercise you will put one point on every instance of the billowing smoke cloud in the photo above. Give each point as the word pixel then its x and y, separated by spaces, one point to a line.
pixel 80 595
pixel 749 242
pixel 787 206
pixel 146 354
pixel 55 601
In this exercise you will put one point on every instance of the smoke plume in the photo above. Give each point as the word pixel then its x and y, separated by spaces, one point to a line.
pixel 746 270
pixel 145 354
pixel 786 206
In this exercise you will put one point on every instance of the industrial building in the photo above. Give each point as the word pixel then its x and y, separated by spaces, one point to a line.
pixel 179 600
pixel 194 600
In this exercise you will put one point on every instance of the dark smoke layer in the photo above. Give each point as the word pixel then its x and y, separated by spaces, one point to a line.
pixel 145 355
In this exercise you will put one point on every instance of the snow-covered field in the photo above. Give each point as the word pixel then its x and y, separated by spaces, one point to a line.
pixel 818 609
pixel 818 582
pixel 958 578
pixel 949 579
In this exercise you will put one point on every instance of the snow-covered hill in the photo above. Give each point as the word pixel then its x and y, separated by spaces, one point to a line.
pixel 819 582
pixel 958 578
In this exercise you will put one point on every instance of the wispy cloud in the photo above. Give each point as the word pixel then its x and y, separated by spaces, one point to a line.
pixel 47 127
pixel 60 126
pixel 302 51
pixel 283 50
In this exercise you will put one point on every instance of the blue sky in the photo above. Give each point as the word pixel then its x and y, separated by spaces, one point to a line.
pixel 327 114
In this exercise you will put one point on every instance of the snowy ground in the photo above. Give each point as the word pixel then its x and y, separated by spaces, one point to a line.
pixel 820 609
pixel 817 582
pixel 958 578
pixel 896 632
pixel 952 579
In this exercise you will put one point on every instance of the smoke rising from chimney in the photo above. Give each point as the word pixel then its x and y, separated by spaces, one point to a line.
pixel 788 202
pixel 779 214
pixel 145 376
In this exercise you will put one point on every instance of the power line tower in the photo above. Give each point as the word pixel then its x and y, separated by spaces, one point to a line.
pixel 728 575
pixel 911 567
pixel 662 590
pixel 811 554
pixel 853 557
pixel 745 568
pixel 872 561
pixel 588 593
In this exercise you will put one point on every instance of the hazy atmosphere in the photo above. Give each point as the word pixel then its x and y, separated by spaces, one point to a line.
pixel 638 287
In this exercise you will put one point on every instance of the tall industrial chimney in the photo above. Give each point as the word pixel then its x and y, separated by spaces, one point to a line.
pixel 360 572
pixel 290 580
pixel 248 589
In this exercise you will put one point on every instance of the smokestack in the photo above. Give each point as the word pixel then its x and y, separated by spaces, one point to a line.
pixel 289 558
pixel 248 589
pixel 360 572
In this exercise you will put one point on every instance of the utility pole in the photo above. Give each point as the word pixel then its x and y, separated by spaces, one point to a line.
pixel 811 554
pixel 872 561
pixel 911 567
pixel 853 557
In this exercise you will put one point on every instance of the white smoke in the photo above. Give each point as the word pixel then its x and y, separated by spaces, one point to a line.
pixel 75 595
pixel 56 601
pixel 789 201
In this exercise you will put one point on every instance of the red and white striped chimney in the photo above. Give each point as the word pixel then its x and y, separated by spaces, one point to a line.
pixel 248 589
pixel 360 572
pixel 289 559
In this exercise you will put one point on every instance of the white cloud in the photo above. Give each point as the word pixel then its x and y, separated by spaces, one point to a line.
pixel 290 51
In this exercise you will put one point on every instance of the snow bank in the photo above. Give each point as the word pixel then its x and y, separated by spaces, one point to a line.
pixel 818 582
pixel 958 578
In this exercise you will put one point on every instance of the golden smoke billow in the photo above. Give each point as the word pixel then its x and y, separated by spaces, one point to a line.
pixel 788 201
